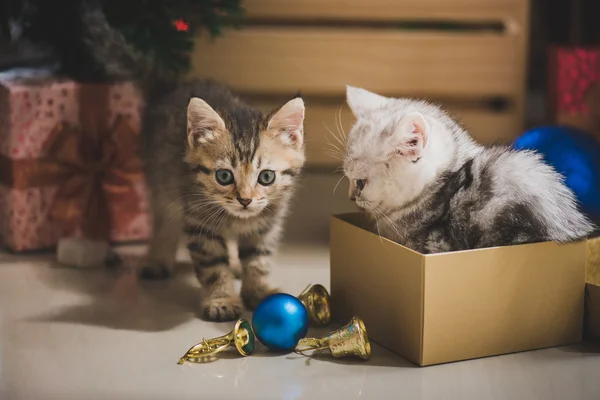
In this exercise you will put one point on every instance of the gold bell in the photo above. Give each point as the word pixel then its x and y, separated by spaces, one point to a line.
pixel 316 300
pixel 349 340
pixel 242 336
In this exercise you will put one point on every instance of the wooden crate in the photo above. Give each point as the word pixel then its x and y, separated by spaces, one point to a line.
pixel 319 46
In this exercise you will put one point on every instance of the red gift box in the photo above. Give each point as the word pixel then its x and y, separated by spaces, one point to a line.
pixel 68 163
pixel 574 87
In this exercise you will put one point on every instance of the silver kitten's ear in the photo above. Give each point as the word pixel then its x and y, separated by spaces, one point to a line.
pixel 288 123
pixel 410 137
pixel 203 123
pixel 362 101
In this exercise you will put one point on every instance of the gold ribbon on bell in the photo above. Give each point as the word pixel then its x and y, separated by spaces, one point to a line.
pixel 316 300
pixel 242 337
pixel 349 340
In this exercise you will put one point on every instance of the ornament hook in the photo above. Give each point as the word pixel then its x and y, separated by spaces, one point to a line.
pixel 349 340
pixel 242 337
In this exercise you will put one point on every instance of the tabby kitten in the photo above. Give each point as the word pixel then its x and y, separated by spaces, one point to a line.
pixel 232 188
pixel 430 187
pixel 218 170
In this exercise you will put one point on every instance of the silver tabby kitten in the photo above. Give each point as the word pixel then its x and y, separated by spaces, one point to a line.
pixel 430 187
pixel 218 170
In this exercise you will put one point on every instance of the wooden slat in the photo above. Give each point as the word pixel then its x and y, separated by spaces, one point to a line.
pixel 322 61
pixel 320 127
pixel 462 10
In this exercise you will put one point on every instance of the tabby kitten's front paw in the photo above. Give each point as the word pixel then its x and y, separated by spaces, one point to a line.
pixel 156 271
pixel 222 309
pixel 252 296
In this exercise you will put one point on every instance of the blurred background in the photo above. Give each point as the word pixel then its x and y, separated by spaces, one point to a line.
pixel 500 66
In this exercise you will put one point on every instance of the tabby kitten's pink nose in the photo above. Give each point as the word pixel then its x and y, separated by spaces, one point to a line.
pixel 244 202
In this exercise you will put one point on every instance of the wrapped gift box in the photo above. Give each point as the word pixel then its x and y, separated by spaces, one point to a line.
pixel 446 307
pixel 68 162
pixel 574 87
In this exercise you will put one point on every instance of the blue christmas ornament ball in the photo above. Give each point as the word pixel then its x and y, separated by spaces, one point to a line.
pixel 280 321
pixel 574 154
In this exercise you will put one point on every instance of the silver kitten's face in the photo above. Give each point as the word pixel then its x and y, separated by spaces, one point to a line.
pixel 366 167
pixel 383 153
pixel 367 184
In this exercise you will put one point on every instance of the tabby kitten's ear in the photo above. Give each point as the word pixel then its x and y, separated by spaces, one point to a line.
pixel 288 123
pixel 361 101
pixel 203 123
pixel 409 138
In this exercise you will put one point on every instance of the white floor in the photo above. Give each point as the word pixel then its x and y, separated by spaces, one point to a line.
pixel 75 334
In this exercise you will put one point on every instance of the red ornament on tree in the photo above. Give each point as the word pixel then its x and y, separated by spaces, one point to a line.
pixel 181 25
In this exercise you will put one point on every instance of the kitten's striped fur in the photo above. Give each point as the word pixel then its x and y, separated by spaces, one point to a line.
pixel 190 131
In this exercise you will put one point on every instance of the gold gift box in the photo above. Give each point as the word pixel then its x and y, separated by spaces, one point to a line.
pixel 446 307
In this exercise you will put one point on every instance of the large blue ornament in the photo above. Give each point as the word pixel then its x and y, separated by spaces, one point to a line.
pixel 574 154
pixel 280 321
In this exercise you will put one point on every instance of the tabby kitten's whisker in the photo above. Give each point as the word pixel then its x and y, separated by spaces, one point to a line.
pixel 192 207
pixel 222 216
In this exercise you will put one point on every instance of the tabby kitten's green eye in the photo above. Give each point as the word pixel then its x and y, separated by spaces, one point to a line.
pixel 266 177
pixel 224 177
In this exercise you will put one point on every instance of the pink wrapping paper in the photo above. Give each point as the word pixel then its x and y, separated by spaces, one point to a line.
pixel 29 111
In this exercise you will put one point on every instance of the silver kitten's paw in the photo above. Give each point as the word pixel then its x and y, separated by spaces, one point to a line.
pixel 222 309
pixel 252 296
pixel 156 270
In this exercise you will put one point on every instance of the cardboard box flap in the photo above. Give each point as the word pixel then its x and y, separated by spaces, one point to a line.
pixel 362 221
pixel 592 289
pixel 376 283
pixel 592 269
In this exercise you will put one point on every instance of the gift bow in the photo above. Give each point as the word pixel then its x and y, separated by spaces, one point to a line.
pixel 95 173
